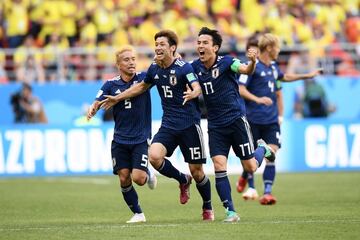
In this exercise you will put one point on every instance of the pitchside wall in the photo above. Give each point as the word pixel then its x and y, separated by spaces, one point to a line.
pixel 60 148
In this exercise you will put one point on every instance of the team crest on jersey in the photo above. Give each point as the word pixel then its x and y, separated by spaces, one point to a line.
pixel 215 72
pixel 118 91
pixel 173 80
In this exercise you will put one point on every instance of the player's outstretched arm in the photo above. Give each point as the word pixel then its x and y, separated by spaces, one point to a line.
pixel 191 94
pixel 249 68
pixel 133 91
pixel 93 110
pixel 280 105
pixel 288 77
pixel 251 97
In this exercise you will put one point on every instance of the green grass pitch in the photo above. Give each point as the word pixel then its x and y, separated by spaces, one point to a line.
pixel 310 206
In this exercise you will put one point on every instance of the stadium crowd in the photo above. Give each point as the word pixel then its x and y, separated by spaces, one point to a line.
pixel 59 40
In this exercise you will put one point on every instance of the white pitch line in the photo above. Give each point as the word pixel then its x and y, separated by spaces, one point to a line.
pixel 142 225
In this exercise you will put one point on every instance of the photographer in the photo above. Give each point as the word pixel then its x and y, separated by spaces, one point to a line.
pixel 26 107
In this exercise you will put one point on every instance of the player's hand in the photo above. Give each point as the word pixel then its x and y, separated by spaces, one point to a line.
pixel 188 94
pixel 251 54
pixel 108 102
pixel 265 100
pixel 178 55
pixel 91 112
pixel 316 72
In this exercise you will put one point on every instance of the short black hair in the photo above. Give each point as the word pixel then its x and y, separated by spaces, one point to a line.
pixel 27 86
pixel 216 37
pixel 253 41
pixel 170 35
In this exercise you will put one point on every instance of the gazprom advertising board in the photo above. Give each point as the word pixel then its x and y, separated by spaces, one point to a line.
pixel 36 150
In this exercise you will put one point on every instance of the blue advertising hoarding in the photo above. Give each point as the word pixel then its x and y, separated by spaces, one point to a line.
pixel 52 150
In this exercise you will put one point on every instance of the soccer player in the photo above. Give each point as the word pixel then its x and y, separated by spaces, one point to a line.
pixel 132 131
pixel 263 99
pixel 180 120
pixel 227 124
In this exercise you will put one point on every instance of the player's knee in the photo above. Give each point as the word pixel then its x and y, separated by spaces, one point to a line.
pixel 197 173
pixel 250 167
pixel 124 180
pixel 140 179
pixel 155 159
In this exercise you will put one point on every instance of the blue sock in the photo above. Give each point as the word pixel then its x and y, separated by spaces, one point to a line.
pixel 244 174
pixel 259 155
pixel 168 170
pixel 204 189
pixel 251 180
pixel 131 198
pixel 224 190
pixel 268 177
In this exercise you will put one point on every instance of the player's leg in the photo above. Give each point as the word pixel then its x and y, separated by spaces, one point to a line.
pixel 191 144
pixel 164 144
pixel 141 173
pixel 242 182
pixel 244 147
pixel 219 144
pixel 122 167
pixel 272 137
pixel 251 193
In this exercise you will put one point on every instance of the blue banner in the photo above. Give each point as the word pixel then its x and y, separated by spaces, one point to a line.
pixel 52 150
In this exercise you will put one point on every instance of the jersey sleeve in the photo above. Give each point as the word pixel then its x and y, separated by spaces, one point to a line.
pixel 149 79
pixel 189 73
pixel 105 90
pixel 280 73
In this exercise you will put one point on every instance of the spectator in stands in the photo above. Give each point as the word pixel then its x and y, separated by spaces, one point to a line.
pixel 54 59
pixel 3 75
pixel 28 63
pixel 16 17
pixel 27 108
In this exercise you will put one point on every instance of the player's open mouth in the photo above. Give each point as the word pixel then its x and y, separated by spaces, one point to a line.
pixel 159 53
pixel 201 53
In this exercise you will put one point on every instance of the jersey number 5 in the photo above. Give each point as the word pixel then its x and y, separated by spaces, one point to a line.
pixel 127 103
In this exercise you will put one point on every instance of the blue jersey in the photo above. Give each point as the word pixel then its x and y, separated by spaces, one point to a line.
pixel 263 83
pixel 221 91
pixel 132 116
pixel 171 84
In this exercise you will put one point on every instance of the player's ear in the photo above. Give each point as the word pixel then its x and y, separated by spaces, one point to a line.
pixel 173 48
pixel 216 48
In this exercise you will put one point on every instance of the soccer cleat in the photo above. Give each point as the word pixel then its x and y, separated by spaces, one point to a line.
pixel 241 184
pixel 152 181
pixel 208 215
pixel 137 218
pixel 267 199
pixel 269 153
pixel 185 190
pixel 250 194
pixel 231 216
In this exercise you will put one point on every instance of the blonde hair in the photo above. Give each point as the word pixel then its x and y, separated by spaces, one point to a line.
pixel 268 39
pixel 123 49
